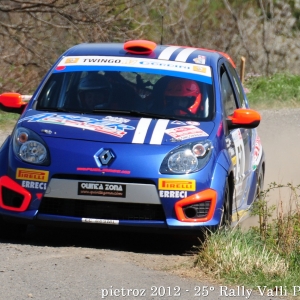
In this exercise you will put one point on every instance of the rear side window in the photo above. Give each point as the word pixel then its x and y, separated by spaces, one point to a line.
pixel 238 86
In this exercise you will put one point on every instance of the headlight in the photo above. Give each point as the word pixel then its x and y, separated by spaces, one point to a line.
pixel 187 158
pixel 30 147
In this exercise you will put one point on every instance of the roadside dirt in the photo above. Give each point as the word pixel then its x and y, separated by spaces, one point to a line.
pixel 75 264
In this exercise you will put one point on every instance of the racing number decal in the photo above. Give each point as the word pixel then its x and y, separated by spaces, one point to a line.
pixel 239 169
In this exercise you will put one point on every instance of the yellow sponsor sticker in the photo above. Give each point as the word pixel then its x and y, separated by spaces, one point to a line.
pixel 233 159
pixel 34 175
pixel 72 60
pixel 177 184
pixel 239 215
pixel 199 69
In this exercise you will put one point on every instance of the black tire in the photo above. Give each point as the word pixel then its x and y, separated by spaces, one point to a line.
pixel 259 186
pixel 11 230
pixel 226 214
pixel 226 217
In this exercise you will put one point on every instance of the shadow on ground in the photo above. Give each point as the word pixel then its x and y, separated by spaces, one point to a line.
pixel 139 242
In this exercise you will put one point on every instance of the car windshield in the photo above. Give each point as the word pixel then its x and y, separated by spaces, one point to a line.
pixel 130 92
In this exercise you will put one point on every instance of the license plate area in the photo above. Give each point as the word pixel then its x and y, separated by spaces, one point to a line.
pixel 104 189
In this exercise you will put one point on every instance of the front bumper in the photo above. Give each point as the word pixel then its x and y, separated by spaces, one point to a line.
pixel 138 205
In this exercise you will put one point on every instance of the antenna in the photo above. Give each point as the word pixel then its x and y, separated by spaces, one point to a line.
pixel 162 29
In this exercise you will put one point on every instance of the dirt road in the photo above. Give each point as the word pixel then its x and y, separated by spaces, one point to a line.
pixel 73 264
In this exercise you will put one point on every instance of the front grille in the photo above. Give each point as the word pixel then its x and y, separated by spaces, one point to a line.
pixel 198 210
pixel 102 210
pixel 11 198
pixel 102 178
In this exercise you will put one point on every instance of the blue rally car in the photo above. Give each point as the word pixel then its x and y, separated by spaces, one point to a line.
pixel 132 135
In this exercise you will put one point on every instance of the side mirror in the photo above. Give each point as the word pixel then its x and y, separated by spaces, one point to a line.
pixel 243 118
pixel 13 102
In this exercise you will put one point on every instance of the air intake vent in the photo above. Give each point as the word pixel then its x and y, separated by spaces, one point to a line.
pixel 197 210
pixel 11 198
pixel 139 47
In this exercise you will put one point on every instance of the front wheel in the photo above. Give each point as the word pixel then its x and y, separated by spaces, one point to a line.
pixel 259 186
pixel 226 215
pixel 226 212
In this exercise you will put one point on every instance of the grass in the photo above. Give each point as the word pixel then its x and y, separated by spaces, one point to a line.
pixel 265 255
pixel 242 258
pixel 7 120
pixel 276 91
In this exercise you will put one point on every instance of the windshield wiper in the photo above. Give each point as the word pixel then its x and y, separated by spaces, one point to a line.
pixel 135 113
pixel 58 109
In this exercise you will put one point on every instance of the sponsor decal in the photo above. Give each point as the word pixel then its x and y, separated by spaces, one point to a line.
pixel 173 194
pixel 60 68
pixel 100 221
pixel 185 132
pixel 34 185
pixel 177 184
pixel 102 189
pixel 102 60
pixel 72 60
pixel 103 170
pixel 35 175
pixel 99 60
pixel 239 215
pixel 108 125
pixel 39 196
pixel 257 153
pixel 162 63
pixel 231 149
pixel 240 161
pixel 199 69
pixel 233 159
pixel 178 122
pixel 193 123
pixel 200 59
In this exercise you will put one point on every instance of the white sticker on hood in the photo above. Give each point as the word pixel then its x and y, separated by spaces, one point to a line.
pixel 185 132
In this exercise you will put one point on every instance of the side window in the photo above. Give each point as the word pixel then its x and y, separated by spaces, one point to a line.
pixel 227 93
pixel 50 93
pixel 238 85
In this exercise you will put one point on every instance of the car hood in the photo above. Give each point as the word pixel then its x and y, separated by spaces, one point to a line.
pixel 114 128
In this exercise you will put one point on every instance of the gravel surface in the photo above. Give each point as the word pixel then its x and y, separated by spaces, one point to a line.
pixel 51 263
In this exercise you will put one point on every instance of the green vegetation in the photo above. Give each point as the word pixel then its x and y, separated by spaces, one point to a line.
pixel 7 120
pixel 276 91
pixel 265 255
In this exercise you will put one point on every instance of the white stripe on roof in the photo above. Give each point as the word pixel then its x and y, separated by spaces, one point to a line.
pixel 184 54
pixel 166 53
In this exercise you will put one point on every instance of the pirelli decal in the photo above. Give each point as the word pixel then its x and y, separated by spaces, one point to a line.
pixel 177 184
pixel 33 175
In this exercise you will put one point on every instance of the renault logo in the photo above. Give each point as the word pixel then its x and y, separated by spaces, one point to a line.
pixel 103 157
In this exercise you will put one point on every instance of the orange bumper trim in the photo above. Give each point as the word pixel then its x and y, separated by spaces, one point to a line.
pixel 206 195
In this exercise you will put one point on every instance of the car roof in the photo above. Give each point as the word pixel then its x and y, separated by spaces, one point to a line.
pixel 162 52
